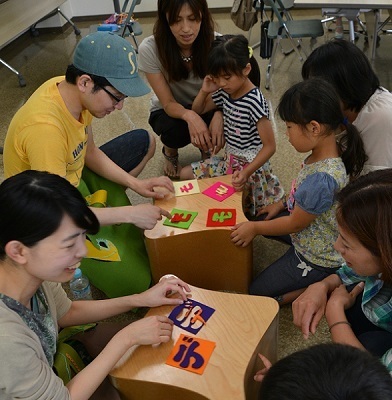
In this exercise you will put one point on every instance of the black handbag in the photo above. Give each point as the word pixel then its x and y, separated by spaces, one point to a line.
pixel 266 43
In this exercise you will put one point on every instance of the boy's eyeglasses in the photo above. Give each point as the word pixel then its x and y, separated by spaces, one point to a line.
pixel 114 97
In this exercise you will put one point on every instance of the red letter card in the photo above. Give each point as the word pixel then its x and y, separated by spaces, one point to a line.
pixel 221 217
pixel 181 218
pixel 191 353
pixel 184 188
pixel 219 191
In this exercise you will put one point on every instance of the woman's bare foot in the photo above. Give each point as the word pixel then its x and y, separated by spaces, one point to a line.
pixel 171 167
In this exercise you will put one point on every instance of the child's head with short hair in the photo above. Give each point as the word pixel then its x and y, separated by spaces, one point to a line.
pixel 364 210
pixel 231 55
pixel 312 100
pixel 315 101
pixel 327 372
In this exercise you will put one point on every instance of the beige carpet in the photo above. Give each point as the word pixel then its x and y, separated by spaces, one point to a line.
pixel 47 55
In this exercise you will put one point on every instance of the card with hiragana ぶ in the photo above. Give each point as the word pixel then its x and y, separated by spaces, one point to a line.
pixel 219 191
pixel 181 218
pixel 191 353
pixel 221 217
pixel 184 188
pixel 191 315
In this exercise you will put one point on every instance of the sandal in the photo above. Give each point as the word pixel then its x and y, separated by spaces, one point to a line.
pixel 173 160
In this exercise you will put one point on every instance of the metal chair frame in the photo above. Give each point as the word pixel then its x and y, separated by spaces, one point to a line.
pixel 34 32
pixel 131 27
pixel 289 4
pixel 352 15
pixel 290 29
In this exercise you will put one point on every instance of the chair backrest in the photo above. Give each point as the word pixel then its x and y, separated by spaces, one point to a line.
pixel 132 7
pixel 278 8
pixel 134 3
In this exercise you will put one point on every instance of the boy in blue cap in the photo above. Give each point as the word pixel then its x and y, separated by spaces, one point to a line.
pixel 52 130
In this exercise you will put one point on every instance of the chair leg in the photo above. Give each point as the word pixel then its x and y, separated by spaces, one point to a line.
pixel 296 48
pixel 34 31
pixel 22 81
pixel 351 31
pixel 128 27
pixel 270 65
pixel 75 28
pixel 362 25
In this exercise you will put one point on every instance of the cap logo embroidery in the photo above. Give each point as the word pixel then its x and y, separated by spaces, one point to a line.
pixel 130 56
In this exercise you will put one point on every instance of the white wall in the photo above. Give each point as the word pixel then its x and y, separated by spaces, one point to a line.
pixel 101 7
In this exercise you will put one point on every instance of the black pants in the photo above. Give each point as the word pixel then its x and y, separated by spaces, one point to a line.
pixel 375 339
pixel 174 132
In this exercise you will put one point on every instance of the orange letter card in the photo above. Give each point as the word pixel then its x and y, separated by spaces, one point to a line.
pixel 191 353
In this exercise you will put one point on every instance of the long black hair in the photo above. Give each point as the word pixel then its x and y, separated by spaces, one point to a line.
pixel 347 68
pixel 168 50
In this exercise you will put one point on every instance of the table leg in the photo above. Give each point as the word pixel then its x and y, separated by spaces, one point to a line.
pixel 372 19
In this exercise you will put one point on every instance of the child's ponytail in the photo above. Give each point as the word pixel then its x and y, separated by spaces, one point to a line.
pixel 352 150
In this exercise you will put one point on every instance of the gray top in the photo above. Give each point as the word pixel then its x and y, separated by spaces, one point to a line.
pixel 184 91
pixel 24 371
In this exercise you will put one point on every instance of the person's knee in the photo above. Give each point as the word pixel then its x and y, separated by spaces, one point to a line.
pixel 257 287
pixel 151 146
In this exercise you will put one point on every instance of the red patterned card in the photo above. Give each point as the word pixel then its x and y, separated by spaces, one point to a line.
pixel 221 217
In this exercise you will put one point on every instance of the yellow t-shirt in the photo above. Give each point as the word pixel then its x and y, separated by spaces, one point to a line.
pixel 44 135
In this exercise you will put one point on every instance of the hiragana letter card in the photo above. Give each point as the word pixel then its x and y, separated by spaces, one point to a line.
pixel 191 315
pixel 219 191
pixel 184 188
pixel 221 217
pixel 191 353
pixel 181 218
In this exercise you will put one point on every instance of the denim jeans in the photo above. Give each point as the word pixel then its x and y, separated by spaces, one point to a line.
pixel 128 149
pixel 283 276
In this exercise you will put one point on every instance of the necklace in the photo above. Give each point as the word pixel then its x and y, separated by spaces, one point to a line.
pixel 185 58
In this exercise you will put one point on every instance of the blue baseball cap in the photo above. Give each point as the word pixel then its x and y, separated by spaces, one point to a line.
pixel 108 55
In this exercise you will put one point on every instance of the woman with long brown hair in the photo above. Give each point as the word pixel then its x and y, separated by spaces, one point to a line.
pixel 174 60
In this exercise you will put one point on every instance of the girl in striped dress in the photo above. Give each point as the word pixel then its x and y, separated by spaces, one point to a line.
pixel 232 85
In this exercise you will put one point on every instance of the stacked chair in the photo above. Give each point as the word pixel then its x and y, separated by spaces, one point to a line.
pixel 285 27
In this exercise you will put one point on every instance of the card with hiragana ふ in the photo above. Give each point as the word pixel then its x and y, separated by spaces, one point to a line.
pixel 191 315
pixel 180 218
pixel 221 217
pixel 219 191
pixel 191 353
pixel 184 188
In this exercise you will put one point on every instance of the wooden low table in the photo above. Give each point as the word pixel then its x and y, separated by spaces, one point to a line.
pixel 203 256
pixel 241 326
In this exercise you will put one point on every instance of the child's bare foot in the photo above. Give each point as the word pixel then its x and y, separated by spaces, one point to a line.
pixel 171 166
